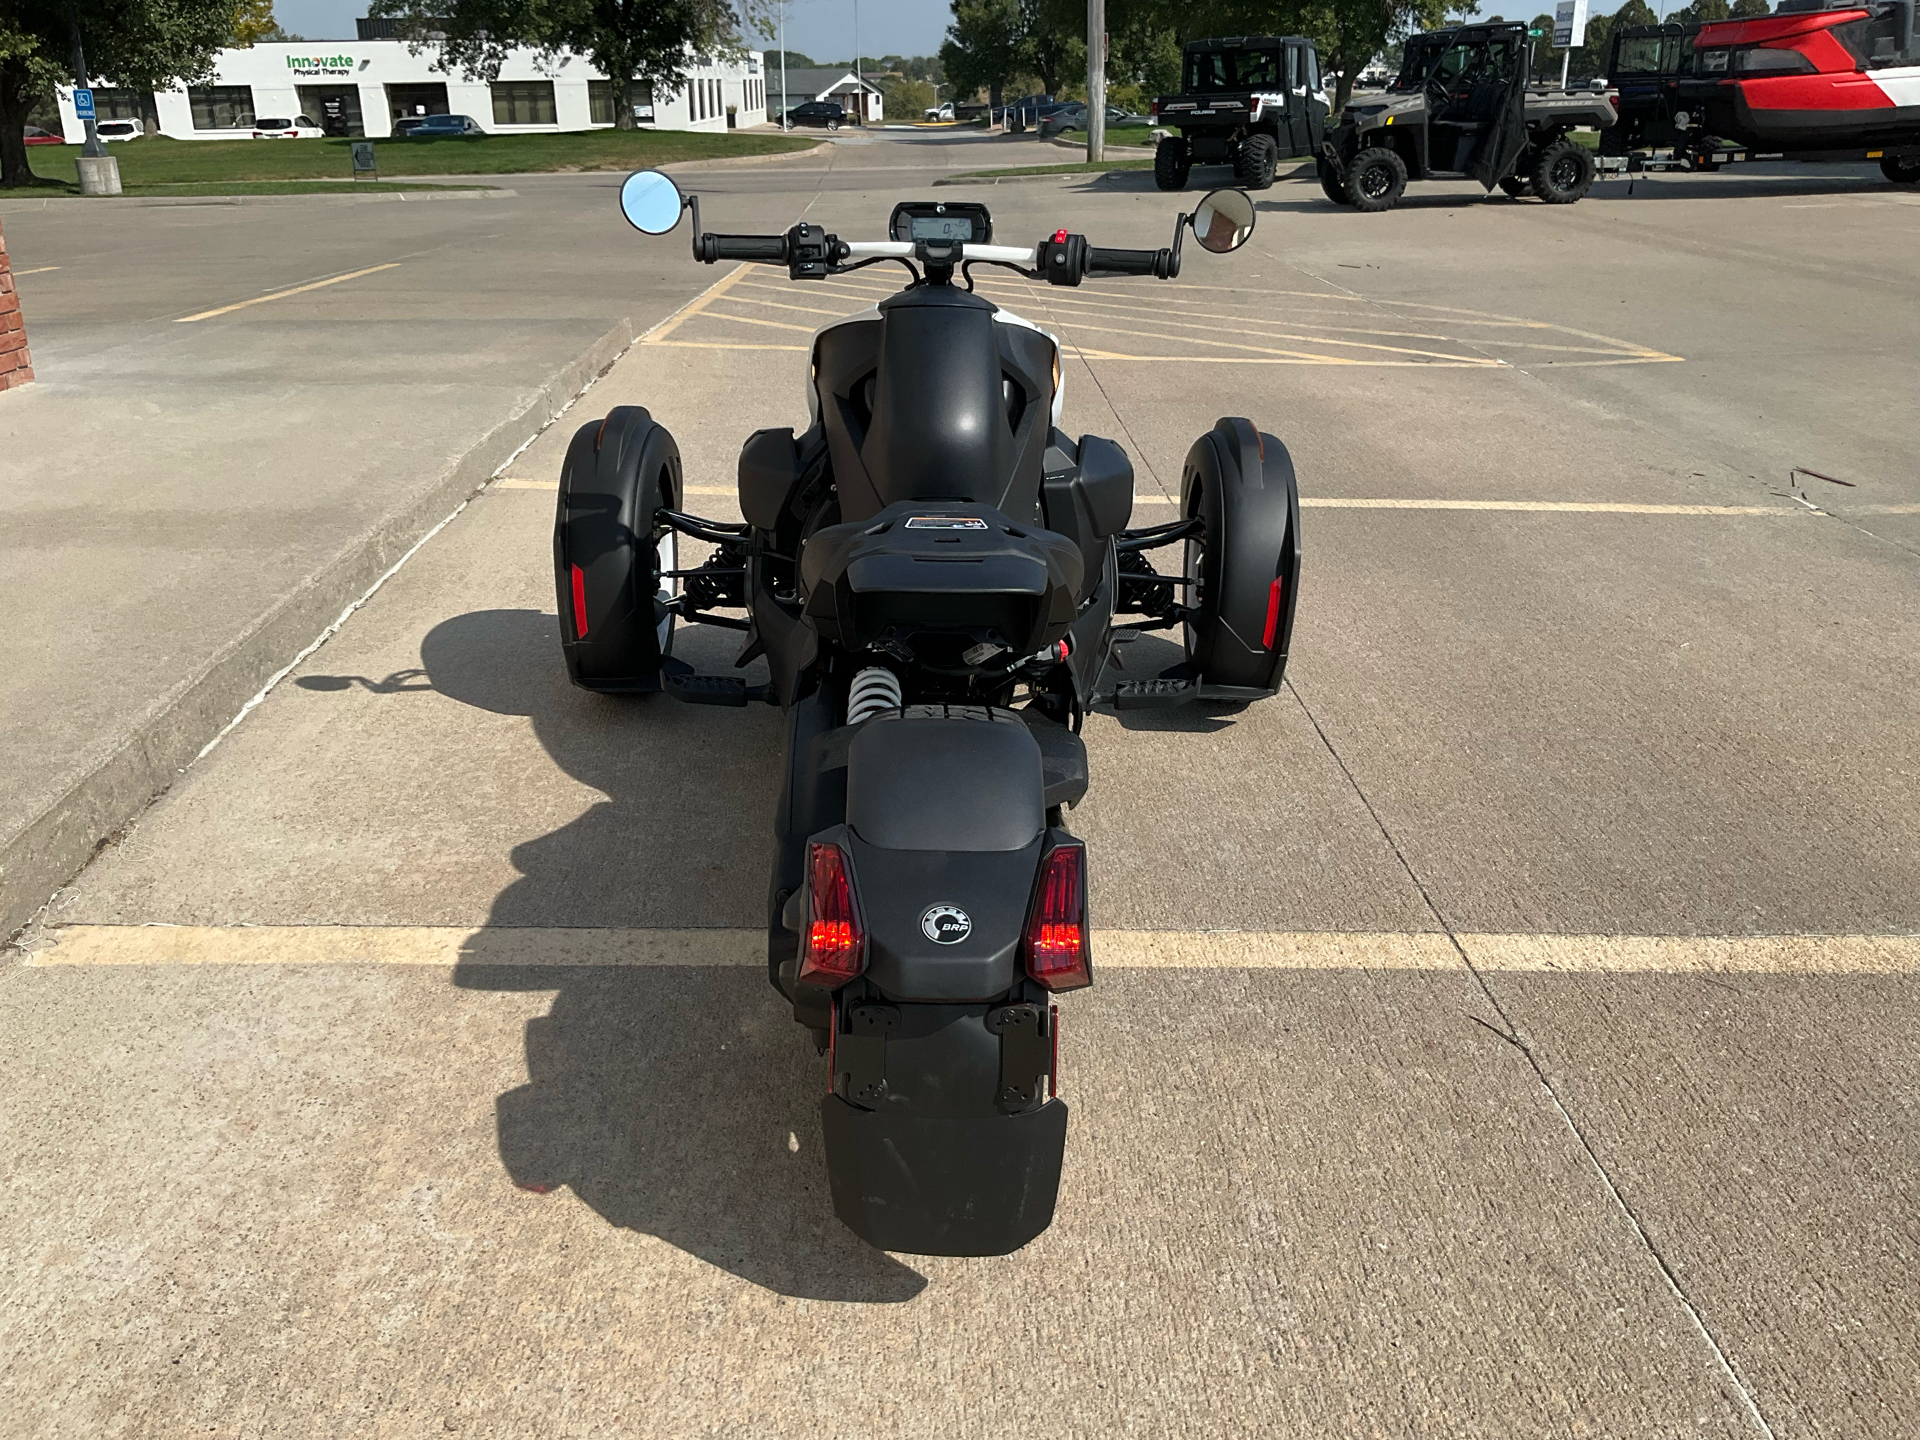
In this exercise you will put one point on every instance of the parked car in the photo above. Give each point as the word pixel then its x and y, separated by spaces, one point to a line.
pixel 439 127
pixel 276 128
pixel 1030 110
pixel 1073 116
pixel 829 113
pixel 119 129
pixel 940 112
pixel 37 136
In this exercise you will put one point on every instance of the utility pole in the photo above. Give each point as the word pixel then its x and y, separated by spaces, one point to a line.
pixel 95 146
pixel 1096 80
pixel 784 107
pixel 859 85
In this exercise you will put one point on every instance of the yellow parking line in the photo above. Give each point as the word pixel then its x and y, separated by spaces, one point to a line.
pixel 283 294
pixel 555 948
pixel 1570 507
pixel 696 305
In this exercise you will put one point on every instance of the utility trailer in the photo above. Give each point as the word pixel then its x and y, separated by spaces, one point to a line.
pixel 1464 104
pixel 1814 81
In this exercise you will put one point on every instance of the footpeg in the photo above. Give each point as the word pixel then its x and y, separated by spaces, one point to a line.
pixel 692 689
pixel 1153 694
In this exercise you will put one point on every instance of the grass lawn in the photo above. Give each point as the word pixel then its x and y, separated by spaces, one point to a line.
pixel 258 187
pixel 158 160
pixel 1083 168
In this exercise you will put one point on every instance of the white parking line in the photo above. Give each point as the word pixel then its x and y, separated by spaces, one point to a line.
pixel 553 947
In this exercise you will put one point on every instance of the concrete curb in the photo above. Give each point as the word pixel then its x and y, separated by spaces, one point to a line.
pixel 727 162
pixel 46 853
pixel 1027 179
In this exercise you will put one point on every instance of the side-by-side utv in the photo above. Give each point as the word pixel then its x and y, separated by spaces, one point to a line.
pixel 1462 106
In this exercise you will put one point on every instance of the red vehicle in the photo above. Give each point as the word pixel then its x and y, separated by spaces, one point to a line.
pixel 36 136
pixel 1813 78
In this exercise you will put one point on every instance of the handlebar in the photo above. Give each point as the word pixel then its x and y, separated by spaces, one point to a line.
pixel 810 253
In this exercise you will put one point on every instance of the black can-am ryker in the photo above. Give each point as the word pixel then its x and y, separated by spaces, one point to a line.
pixel 932 572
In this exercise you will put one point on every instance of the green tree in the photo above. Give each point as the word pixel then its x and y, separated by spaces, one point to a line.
pixel 904 98
pixel 983 48
pixel 141 44
pixel 253 24
pixel 627 40
pixel 1054 42
pixel 1749 10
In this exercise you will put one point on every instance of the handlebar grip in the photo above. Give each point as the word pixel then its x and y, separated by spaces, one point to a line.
pixel 770 248
pixel 1157 263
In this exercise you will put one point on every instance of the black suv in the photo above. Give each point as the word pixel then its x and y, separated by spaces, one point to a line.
pixel 1246 102
pixel 829 113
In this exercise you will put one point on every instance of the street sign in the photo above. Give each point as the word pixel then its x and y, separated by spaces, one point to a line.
pixel 1569 24
pixel 83 104
pixel 363 158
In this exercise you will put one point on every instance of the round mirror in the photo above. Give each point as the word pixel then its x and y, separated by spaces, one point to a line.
pixel 1223 221
pixel 651 202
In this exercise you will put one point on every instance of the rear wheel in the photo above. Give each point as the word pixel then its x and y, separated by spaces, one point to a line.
pixel 1563 172
pixel 1901 171
pixel 1170 163
pixel 1517 186
pixel 1330 183
pixel 1259 157
pixel 610 554
pixel 1376 180
pixel 1242 569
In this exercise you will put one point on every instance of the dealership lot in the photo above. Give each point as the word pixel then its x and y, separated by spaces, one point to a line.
pixel 1507 1030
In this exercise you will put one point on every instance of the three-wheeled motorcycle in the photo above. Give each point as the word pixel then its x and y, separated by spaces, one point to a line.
pixel 934 574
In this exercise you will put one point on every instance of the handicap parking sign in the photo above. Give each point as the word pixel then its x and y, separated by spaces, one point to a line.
pixel 83 104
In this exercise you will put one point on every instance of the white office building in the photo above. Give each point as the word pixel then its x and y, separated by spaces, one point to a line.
pixel 364 87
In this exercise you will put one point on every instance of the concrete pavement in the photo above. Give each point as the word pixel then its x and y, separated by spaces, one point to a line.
pixel 1488 1121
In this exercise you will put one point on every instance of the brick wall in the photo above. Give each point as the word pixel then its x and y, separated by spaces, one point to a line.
pixel 16 366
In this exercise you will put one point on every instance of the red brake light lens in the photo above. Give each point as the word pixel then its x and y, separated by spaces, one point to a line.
pixel 1056 948
pixel 834 948
pixel 1273 614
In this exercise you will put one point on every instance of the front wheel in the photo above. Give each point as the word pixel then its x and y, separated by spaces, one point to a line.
pixel 1259 157
pixel 1171 164
pixel 1901 171
pixel 1376 180
pixel 1331 185
pixel 1241 578
pixel 1563 172
pixel 611 556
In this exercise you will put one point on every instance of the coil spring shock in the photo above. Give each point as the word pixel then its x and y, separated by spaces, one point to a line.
pixel 875 690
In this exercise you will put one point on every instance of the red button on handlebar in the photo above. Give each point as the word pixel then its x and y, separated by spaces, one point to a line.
pixel 1059 236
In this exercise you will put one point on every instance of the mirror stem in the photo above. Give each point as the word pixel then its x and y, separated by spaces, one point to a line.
pixel 693 204
pixel 1180 225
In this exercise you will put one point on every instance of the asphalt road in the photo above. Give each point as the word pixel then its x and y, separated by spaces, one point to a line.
pixel 1506 1031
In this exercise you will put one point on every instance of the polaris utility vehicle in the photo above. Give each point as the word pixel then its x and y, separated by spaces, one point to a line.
pixel 1462 107
pixel 1246 102
pixel 932 572
pixel 1813 81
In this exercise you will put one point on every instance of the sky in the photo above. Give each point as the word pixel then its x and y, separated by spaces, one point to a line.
pixel 820 28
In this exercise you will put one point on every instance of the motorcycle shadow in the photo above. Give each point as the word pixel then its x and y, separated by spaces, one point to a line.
pixel 676 1101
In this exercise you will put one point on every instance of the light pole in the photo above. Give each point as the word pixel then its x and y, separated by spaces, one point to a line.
pixel 1096 80
pixel 859 85
pixel 783 66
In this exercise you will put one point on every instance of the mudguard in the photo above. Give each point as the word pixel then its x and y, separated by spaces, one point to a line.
pixel 1240 481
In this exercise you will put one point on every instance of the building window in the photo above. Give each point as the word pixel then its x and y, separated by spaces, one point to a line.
pixel 523 102
pixel 116 104
pixel 600 102
pixel 221 107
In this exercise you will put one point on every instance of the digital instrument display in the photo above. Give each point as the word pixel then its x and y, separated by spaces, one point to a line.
pixel 942 222
pixel 941 227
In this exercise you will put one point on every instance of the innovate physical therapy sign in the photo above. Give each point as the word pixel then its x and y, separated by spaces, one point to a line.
pixel 307 65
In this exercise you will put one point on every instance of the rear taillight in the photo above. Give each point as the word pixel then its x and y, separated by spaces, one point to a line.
pixel 1056 945
pixel 1153 109
pixel 579 603
pixel 834 948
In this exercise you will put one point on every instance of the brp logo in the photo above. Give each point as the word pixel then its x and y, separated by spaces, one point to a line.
pixel 946 924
